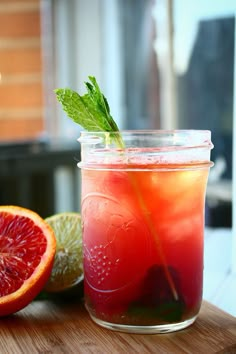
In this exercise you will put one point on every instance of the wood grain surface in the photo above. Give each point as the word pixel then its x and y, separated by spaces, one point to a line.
pixel 49 327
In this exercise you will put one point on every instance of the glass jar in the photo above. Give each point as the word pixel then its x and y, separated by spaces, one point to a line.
pixel 143 198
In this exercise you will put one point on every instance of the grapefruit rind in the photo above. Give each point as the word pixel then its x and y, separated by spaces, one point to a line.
pixel 31 287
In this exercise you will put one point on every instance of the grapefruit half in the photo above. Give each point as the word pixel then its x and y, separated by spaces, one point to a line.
pixel 27 250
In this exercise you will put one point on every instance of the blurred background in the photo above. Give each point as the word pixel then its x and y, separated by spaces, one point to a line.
pixel 162 64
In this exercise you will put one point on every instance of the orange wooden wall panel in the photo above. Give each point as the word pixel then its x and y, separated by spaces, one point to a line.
pixel 20 60
pixel 22 24
pixel 21 90
pixel 19 96
pixel 19 1
pixel 21 129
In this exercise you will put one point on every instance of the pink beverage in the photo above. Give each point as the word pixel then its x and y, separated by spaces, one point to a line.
pixel 143 226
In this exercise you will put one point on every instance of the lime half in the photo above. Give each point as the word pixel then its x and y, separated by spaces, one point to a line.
pixel 68 263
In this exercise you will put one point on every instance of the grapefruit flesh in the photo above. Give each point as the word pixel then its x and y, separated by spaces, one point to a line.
pixel 27 250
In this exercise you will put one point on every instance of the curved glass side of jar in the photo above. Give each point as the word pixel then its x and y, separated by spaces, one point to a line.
pixel 143 197
pixel 158 146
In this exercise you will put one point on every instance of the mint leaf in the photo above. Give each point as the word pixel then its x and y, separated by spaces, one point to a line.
pixel 91 110
pixel 100 101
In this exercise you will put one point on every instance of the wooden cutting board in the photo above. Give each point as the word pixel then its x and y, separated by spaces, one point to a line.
pixel 47 327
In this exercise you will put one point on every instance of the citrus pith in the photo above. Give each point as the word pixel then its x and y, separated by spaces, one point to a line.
pixel 27 250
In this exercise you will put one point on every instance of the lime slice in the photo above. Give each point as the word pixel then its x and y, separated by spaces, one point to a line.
pixel 68 264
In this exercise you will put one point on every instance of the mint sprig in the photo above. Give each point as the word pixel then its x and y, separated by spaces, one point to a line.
pixel 91 110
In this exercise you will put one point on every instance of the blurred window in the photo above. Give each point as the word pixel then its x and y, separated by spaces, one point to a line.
pixel 112 40
pixel 204 67
pixel 203 43
pixel 203 46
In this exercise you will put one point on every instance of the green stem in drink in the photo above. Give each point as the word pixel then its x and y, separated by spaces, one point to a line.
pixel 92 112
pixel 151 227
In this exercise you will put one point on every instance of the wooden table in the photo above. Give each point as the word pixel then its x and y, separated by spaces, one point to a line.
pixel 46 327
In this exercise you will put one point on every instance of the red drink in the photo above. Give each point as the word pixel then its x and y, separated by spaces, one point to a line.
pixel 143 230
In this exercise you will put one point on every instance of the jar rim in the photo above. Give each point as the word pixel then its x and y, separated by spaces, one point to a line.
pixel 181 138
pixel 149 131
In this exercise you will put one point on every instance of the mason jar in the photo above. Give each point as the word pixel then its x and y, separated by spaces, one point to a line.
pixel 142 208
